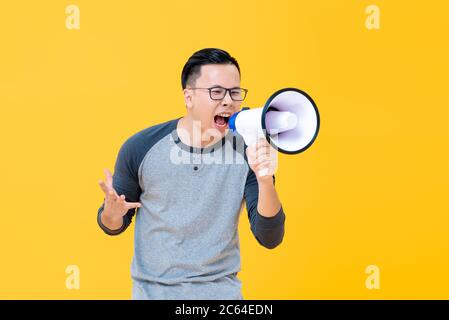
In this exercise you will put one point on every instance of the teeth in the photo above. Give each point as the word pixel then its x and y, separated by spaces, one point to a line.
pixel 224 114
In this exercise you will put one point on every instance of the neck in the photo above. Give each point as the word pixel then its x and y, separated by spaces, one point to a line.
pixel 191 133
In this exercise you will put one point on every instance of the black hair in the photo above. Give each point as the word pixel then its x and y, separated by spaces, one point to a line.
pixel 192 68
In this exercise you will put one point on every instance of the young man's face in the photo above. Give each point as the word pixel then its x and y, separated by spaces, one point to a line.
pixel 206 110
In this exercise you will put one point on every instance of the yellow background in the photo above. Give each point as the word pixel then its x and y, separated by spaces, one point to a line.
pixel 372 190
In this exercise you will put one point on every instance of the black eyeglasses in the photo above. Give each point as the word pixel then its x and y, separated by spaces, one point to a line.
pixel 218 93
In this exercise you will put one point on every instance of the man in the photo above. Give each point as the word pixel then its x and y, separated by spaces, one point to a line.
pixel 188 199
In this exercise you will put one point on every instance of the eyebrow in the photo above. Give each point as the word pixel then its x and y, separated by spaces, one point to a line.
pixel 217 85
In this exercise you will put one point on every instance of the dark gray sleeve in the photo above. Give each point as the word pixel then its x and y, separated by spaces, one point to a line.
pixel 269 232
pixel 126 182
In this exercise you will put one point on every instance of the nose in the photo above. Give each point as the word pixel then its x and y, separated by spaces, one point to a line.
pixel 227 100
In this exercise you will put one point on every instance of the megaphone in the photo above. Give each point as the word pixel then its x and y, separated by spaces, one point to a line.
pixel 289 121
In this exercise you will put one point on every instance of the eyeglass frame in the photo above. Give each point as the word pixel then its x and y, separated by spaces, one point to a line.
pixel 226 91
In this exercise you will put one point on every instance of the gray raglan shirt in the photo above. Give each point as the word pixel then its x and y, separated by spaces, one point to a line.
pixel 186 244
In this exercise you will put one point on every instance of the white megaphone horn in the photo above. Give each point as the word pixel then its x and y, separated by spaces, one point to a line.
pixel 289 121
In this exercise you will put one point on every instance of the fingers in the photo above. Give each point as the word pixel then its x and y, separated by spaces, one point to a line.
pixel 121 200
pixel 269 166
pixel 261 143
pixel 109 192
pixel 254 146
pixel 103 187
pixel 251 153
pixel 128 205
pixel 108 175
pixel 131 205
pixel 263 153
pixel 262 164
pixel 107 186
pixel 262 158
pixel 112 195
pixel 259 148
pixel 265 150
pixel 264 147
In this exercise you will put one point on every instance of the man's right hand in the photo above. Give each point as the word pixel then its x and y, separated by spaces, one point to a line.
pixel 115 206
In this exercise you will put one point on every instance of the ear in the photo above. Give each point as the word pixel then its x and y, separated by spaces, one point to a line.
pixel 188 98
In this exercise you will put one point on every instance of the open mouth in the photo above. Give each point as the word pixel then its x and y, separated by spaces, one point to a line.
pixel 221 120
